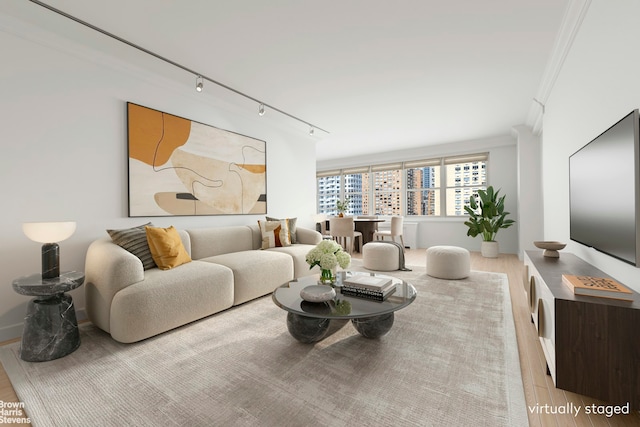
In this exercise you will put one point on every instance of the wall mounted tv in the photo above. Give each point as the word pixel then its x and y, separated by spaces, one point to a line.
pixel 603 191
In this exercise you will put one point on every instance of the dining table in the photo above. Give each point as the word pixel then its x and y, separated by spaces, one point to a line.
pixel 367 226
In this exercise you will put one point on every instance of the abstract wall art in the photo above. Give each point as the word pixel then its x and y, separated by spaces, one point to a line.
pixel 181 167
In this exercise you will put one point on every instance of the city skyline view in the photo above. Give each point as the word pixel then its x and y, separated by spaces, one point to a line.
pixel 410 191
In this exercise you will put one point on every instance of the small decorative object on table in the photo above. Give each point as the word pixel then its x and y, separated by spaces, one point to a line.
pixel 551 248
pixel 318 293
pixel 328 255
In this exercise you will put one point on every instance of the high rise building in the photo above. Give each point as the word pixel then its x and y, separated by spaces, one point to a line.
pixel 463 181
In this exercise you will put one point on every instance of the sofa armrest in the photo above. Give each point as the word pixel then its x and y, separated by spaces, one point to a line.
pixel 108 269
pixel 307 236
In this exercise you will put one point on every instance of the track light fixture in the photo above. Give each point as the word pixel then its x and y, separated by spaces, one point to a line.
pixel 261 110
pixel 311 131
pixel 200 78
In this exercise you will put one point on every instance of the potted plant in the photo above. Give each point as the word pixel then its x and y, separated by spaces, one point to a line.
pixel 342 206
pixel 486 217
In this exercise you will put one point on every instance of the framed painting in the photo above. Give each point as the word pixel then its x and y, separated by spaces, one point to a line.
pixel 181 167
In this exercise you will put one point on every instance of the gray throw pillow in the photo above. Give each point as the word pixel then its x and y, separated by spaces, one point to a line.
pixel 135 241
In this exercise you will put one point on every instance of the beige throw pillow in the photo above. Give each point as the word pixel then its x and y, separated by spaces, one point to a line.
pixel 291 222
pixel 274 233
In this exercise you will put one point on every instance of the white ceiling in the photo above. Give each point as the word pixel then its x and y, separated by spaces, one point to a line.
pixel 378 75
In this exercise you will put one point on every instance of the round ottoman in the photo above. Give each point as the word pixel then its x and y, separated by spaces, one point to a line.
pixel 448 262
pixel 380 256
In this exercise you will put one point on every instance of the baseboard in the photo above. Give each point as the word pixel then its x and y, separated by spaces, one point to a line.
pixel 9 333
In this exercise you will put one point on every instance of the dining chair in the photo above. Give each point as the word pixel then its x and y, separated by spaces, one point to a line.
pixel 396 230
pixel 342 230
pixel 321 223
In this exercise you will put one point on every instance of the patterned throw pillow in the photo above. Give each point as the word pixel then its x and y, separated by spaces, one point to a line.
pixel 135 241
pixel 292 228
pixel 166 247
pixel 274 233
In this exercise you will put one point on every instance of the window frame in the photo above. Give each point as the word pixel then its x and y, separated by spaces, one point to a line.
pixel 403 167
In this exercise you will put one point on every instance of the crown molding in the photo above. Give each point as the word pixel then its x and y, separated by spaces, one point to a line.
pixel 571 22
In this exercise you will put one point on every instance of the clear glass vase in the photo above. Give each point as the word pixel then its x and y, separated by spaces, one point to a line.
pixel 327 277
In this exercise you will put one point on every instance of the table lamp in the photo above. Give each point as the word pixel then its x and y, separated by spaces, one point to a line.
pixel 49 233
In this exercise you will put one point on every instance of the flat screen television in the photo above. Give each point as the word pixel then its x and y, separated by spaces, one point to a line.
pixel 603 191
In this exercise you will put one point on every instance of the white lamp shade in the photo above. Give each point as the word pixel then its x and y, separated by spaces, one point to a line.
pixel 49 232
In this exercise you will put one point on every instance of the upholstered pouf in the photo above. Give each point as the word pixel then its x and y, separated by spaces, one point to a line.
pixel 381 256
pixel 448 262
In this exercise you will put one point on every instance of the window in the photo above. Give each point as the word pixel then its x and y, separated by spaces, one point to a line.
pixel 423 187
pixel 464 176
pixel 356 188
pixel 328 192
pixel 387 189
pixel 431 187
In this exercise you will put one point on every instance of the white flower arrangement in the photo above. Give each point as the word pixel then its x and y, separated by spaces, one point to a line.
pixel 328 254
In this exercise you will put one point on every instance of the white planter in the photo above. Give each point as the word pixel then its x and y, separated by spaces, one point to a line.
pixel 489 249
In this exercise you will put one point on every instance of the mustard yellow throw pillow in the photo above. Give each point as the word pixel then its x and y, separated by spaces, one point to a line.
pixel 166 247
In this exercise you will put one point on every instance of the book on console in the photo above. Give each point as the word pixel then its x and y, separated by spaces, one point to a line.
pixel 597 287
pixel 369 282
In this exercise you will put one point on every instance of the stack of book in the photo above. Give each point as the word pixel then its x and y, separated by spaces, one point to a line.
pixel 370 287
pixel 597 287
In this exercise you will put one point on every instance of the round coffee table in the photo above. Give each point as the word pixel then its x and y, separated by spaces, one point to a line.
pixel 309 321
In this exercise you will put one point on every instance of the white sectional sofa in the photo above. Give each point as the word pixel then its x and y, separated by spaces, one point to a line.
pixel 227 268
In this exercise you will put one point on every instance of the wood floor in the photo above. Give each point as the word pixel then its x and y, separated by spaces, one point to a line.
pixel 538 387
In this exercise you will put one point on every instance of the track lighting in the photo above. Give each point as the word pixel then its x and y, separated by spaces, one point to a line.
pixel 199 77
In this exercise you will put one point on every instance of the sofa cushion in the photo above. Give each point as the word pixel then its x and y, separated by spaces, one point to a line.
pixel 255 273
pixel 166 247
pixel 299 254
pixel 135 241
pixel 167 299
pixel 274 233
pixel 206 242
pixel 291 222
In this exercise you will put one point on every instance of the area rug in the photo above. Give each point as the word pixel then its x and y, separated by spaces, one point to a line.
pixel 451 359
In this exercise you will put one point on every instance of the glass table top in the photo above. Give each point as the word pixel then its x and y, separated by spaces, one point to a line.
pixel 342 306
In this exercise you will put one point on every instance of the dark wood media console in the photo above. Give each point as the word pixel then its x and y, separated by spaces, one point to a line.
pixel 591 344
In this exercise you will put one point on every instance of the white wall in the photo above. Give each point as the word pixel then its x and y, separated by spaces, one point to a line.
pixel 530 205
pixel 64 145
pixel 597 86
pixel 502 175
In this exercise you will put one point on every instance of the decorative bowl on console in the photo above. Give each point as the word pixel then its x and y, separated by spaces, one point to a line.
pixel 551 248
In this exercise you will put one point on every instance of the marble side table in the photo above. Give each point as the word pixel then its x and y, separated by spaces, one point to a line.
pixel 50 327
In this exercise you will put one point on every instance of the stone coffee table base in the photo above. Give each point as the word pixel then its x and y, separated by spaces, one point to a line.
pixel 309 322
pixel 311 329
